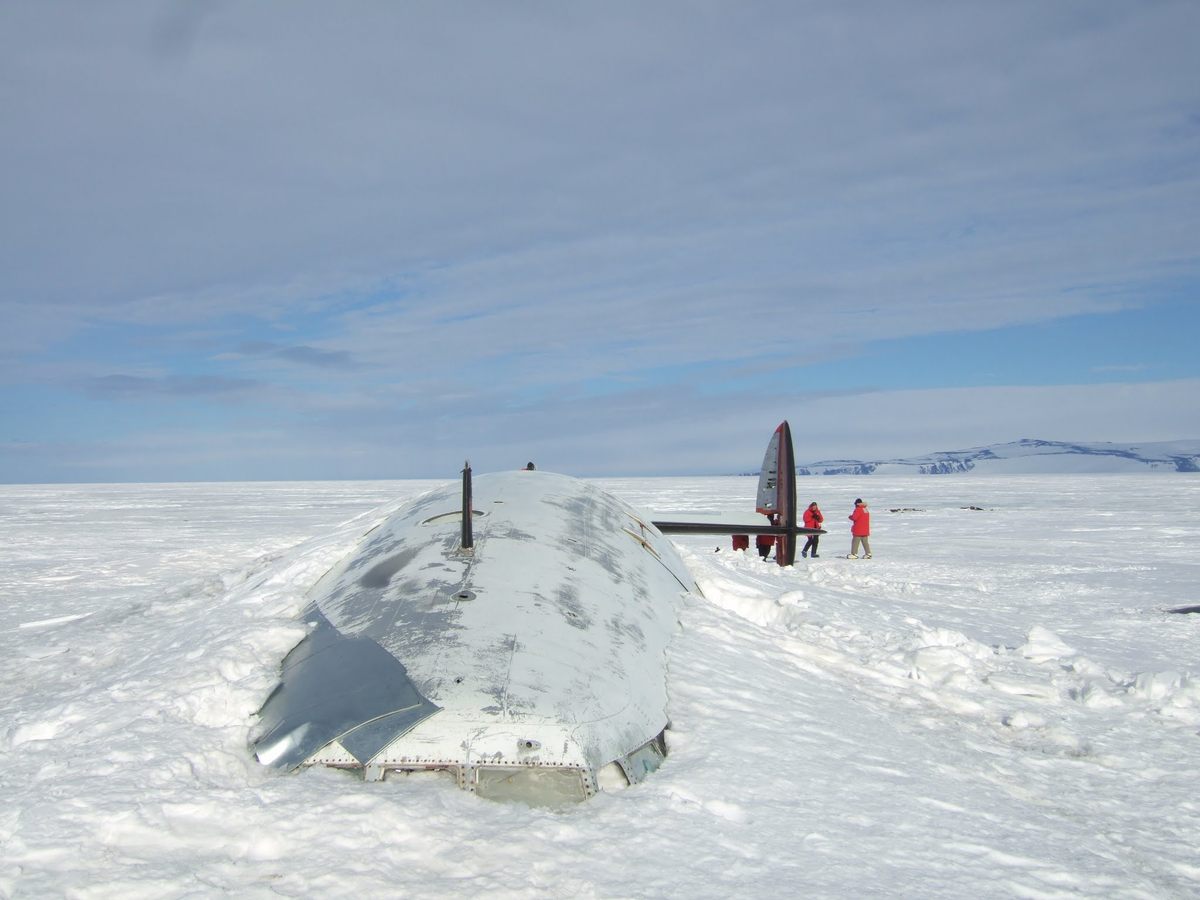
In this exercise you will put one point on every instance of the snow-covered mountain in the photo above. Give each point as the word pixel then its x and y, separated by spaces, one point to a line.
pixel 1027 457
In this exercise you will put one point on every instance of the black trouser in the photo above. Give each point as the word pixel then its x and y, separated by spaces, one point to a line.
pixel 811 544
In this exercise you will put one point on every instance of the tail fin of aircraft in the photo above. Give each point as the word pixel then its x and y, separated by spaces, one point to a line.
pixel 777 490
pixel 776 500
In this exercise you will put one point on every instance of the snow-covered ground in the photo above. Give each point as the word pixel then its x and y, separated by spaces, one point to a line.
pixel 998 704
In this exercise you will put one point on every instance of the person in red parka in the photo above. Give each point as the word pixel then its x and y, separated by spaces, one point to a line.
pixel 860 529
pixel 765 542
pixel 813 518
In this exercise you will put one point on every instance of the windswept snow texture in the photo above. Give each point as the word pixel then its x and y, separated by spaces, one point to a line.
pixel 1028 457
pixel 998 704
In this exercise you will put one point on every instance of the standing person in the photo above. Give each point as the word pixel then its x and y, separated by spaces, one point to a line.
pixel 813 517
pixel 764 542
pixel 860 528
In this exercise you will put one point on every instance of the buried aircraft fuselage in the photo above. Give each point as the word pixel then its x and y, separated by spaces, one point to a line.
pixel 529 665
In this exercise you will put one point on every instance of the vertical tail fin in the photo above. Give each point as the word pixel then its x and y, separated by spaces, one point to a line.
pixel 777 490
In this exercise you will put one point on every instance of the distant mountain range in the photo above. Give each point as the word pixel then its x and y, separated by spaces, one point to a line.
pixel 1027 457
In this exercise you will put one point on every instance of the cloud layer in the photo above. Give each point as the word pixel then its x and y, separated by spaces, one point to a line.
pixel 284 231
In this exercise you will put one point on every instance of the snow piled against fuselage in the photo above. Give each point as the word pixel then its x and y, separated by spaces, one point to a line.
pixel 945 667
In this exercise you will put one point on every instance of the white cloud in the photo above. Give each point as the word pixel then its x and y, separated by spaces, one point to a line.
pixel 657 431
pixel 914 422
pixel 499 212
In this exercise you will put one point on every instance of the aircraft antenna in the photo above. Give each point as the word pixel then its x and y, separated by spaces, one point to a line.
pixel 468 535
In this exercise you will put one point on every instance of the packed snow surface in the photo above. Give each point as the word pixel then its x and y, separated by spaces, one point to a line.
pixel 1000 703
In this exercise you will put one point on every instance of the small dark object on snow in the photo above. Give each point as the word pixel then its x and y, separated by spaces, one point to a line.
pixel 976 508
pixel 1186 609
pixel 906 509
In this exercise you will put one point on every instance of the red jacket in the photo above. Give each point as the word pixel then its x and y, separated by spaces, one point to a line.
pixel 813 518
pixel 767 540
pixel 861 519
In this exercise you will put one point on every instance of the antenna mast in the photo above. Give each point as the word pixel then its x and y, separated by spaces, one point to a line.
pixel 468 535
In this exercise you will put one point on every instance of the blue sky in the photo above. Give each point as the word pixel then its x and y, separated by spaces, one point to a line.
pixel 281 240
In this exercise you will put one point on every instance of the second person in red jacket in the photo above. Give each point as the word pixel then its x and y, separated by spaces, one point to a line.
pixel 812 519
pixel 860 529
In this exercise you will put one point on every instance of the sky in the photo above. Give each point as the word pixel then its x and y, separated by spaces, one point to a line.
pixel 291 240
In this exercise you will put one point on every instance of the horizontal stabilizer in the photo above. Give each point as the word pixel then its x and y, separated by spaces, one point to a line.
pixel 730 528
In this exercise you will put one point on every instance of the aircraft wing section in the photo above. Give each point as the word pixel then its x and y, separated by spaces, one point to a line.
pixel 724 524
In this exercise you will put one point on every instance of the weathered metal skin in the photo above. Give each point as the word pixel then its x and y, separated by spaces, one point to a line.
pixel 529 666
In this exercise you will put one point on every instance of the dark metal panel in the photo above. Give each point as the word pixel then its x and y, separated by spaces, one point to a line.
pixel 334 686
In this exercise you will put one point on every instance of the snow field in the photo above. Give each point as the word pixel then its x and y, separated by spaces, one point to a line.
pixel 998 704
